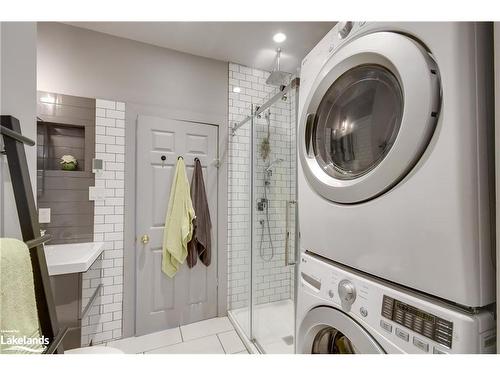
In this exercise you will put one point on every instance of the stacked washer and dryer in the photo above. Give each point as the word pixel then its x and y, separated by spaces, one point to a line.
pixel 396 192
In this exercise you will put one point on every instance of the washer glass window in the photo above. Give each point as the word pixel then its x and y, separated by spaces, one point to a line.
pixel 331 341
pixel 357 122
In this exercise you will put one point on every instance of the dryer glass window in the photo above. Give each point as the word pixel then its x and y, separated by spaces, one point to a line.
pixel 357 121
pixel 332 341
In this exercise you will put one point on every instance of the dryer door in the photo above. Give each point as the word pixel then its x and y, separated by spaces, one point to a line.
pixel 369 117
pixel 326 330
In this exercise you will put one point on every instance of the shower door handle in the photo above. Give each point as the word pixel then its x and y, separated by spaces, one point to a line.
pixel 287 234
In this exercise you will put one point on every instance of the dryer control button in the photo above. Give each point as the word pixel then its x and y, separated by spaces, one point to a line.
pixel 402 334
pixel 420 344
pixel 386 326
pixel 438 351
pixel 363 311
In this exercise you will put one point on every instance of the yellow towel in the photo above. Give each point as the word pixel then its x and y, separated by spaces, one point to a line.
pixel 178 222
pixel 18 312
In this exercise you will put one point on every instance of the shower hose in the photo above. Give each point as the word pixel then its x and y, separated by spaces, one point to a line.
pixel 263 224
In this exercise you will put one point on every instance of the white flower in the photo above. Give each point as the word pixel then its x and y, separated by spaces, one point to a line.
pixel 68 159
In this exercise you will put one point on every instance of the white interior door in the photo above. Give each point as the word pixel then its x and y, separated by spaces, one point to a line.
pixel 191 295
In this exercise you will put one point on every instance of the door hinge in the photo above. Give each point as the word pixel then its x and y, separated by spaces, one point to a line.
pixel 217 163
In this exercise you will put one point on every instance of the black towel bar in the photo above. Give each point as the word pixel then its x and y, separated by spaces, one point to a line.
pixel 15 135
pixel 38 241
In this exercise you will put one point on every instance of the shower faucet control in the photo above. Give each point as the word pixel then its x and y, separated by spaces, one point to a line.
pixel 261 204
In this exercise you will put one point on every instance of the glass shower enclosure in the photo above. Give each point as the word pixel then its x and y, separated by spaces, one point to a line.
pixel 262 221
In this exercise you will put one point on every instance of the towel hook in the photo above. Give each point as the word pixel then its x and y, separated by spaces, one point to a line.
pixel 163 158
pixel 179 157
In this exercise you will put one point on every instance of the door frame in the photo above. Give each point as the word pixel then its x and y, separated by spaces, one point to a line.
pixel 129 264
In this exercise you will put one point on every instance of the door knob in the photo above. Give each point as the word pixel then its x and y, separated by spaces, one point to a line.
pixel 145 239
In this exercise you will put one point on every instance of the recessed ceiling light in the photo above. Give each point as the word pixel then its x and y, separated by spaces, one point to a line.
pixel 236 89
pixel 279 37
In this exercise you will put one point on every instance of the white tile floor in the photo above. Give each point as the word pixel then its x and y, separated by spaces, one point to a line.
pixel 211 336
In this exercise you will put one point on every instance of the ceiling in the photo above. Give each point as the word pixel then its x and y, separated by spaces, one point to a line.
pixel 247 43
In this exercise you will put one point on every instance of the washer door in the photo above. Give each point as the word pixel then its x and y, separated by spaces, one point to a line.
pixel 326 330
pixel 369 117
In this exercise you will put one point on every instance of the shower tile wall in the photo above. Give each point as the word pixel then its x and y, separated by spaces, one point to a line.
pixel 104 322
pixel 274 281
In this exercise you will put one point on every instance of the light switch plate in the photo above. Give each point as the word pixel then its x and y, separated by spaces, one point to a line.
pixel 97 166
pixel 96 193
pixel 44 215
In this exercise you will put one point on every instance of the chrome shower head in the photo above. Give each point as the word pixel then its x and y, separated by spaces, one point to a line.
pixel 277 77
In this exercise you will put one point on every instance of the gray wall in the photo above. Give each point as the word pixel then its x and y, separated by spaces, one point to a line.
pixel 80 62
pixel 66 193
pixel 151 81
pixel 18 98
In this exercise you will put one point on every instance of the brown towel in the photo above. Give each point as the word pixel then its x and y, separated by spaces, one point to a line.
pixel 201 242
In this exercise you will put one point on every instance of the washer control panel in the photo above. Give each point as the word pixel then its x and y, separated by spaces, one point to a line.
pixel 411 323
pixel 416 320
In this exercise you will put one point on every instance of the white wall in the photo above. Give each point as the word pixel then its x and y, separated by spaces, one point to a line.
pixel 85 63
pixel 18 98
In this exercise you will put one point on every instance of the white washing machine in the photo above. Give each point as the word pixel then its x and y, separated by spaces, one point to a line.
pixel 341 312
pixel 395 147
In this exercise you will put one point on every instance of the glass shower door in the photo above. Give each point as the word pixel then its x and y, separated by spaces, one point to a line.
pixel 262 233
pixel 273 231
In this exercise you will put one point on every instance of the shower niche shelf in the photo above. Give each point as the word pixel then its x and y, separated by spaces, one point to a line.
pixel 56 140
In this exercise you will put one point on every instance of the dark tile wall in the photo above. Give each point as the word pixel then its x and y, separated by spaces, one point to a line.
pixel 66 125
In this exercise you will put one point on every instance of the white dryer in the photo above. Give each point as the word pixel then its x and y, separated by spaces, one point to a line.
pixel 345 312
pixel 395 147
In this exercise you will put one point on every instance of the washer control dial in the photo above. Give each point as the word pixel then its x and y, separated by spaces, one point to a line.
pixel 347 292
pixel 344 29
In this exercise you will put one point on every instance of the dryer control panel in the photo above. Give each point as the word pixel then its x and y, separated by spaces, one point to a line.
pixel 428 325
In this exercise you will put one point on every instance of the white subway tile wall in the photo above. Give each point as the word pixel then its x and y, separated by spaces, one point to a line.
pixel 273 280
pixel 104 321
